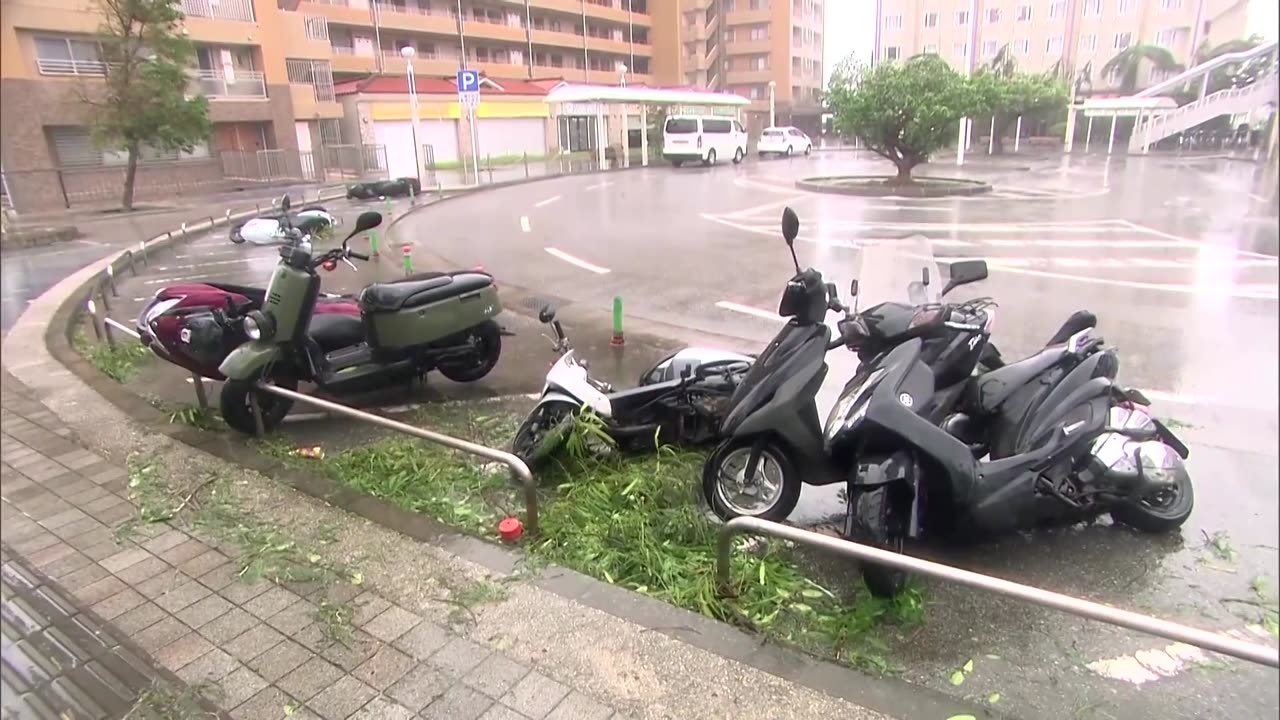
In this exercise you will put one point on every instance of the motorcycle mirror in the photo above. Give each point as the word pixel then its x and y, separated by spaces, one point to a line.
pixel 285 203
pixel 368 220
pixel 546 314
pixel 790 229
pixel 965 272
pixel 853 288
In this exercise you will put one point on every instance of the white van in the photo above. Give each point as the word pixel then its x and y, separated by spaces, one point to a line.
pixel 704 138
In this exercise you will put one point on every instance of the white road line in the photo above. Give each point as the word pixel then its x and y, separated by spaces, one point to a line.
pixel 524 223
pixel 748 310
pixel 1160 233
pixel 203 264
pixel 548 201
pixel 575 261
pixel 1259 198
pixel 598 185
pixel 164 281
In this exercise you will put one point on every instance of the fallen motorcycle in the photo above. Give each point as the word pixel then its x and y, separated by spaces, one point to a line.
pixel 407 329
pixel 399 187
pixel 196 325
pixel 679 400
pixel 270 230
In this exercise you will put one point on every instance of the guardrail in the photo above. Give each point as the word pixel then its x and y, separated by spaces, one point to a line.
pixel 519 470
pixel 1036 596
pixel 219 84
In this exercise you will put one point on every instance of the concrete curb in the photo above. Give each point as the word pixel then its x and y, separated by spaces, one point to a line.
pixel 889 696
pixel 933 186
pixel 19 238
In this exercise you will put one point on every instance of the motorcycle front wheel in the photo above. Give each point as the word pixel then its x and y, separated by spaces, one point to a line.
pixel 1162 511
pixel 771 494
pixel 236 237
pixel 871 522
pixel 543 432
pixel 486 340
pixel 237 412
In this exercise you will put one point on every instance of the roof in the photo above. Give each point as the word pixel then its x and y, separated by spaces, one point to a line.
pixel 642 94
pixel 433 85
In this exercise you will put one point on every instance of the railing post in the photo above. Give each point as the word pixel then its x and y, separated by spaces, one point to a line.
pixel 201 398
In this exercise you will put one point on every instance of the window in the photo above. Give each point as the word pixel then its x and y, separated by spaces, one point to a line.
pixel 892 22
pixel 760 32
pixel 1053 45
pixel 72 146
pixel 1124 7
pixel 1024 46
pixel 1057 9
pixel 759 4
pixel 1024 13
pixel 1170 4
pixel 1092 8
pixel 737 127
pixel 989 48
pixel 718 127
pixel 1122 40
pixel 1165 38
pixel 892 53
pixel 681 126
pixel 931 49
pixel 931 20
pixel 68 56
pixel 993 15
pixel 1088 42
pixel 960 50
pixel 962 17
pixel 759 62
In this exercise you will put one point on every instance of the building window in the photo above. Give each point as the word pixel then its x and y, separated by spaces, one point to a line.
pixel 760 32
pixel 1124 7
pixel 759 4
pixel 1165 38
pixel 993 15
pixel 68 56
pixel 1053 45
pixel 931 49
pixel 892 22
pixel 1088 43
pixel 962 17
pixel 989 48
pixel 1024 46
pixel 1057 9
pixel 1122 41
pixel 759 62
pixel 1170 4
pixel 931 20
pixel 892 52
pixel 960 50
pixel 1024 13
pixel 1092 8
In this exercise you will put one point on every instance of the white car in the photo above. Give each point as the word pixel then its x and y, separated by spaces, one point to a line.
pixel 267 231
pixel 704 139
pixel 783 141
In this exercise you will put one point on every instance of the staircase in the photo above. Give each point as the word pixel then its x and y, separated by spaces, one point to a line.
pixel 1155 127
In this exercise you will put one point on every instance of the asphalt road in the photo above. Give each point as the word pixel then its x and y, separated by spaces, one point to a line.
pixel 1178 259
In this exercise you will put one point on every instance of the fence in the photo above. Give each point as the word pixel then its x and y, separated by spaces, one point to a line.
pixel 219 9
pixel 220 84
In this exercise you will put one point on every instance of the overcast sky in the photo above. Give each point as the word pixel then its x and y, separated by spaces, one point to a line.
pixel 851 27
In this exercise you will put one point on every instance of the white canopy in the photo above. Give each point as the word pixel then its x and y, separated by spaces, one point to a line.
pixel 1125 106
pixel 640 95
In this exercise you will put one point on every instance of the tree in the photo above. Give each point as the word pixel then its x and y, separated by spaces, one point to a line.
pixel 901 111
pixel 143 103
pixel 1126 65
pixel 1017 94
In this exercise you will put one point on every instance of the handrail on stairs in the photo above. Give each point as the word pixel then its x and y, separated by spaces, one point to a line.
pixel 1139 138
pixel 1178 81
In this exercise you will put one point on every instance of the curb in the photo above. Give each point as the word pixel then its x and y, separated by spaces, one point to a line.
pixel 21 238
pixel 890 696
pixel 943 187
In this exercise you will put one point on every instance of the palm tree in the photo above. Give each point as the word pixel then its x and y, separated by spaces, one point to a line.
pixel 1004 64
pixel 1128 62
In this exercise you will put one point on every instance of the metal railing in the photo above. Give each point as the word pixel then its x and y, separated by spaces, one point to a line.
pixel 220 9
pixel 519 470
pixel 51 66
pixel 316 28
pixel 241 84
pixel 1036 596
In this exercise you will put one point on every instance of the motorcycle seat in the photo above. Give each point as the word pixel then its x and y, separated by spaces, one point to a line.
pixel 996 386
pixel 335 331
pixel 415 292
pixel 1079 320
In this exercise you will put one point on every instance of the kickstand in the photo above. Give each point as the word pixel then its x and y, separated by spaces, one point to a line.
pixel 258 427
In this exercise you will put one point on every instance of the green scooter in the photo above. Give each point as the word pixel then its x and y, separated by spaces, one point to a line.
pixel 406 328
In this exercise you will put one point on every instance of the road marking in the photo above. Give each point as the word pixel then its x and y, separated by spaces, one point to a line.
pixel 524 223
pixel 1160 233
pixel 163 281
pixel 1259 198
pixel 575 261
pixel 206 264
pixel 598 185
pixel 748 310
pixel 548 201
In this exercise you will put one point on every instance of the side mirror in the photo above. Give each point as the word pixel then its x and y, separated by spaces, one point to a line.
pixel 853 288
pixel 965 272
pixel 368 220
pixel 924 276
pixel 546 314
pixel 790 225
pixel 285 203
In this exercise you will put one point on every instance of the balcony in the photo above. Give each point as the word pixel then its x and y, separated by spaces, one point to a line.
pixel 747 17
pixel 240 85
pixel 748 77
pixel 393 63
pixel 500 70
pixel 568 40
pixel 573 7
pixel 347 60
pixel 415 19
pixel 239 10
pixel 52 66
pixel 618 47
pixel 338 11
pixel 747 47
pixel 305 104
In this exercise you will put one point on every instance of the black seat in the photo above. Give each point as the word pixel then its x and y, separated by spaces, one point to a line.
pixel 413 292
pixel 996 386
pixel 335 331
pixel 1079 320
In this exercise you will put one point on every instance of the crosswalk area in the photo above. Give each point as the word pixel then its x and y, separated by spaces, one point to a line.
pixel 1101 252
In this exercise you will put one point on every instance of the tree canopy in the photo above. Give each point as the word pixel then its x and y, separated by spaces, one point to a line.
pixel 1124 68
pixel 143 101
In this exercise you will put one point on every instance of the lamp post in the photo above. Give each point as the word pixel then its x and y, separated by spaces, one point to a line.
pixel 408 53
pixel 773 85
pixel 626 121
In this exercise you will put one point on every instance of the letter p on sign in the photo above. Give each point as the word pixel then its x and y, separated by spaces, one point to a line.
pixel 468 81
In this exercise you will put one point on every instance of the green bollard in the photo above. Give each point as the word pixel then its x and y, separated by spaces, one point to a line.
pixel 617 340
pixel 407 251
pixel 373 242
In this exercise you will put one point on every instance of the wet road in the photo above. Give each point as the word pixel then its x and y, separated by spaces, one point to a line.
pixel 1178 260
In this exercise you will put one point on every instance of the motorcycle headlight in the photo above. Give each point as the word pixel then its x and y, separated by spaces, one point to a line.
pixel 852 406
pixel 258 325
pixel 159 309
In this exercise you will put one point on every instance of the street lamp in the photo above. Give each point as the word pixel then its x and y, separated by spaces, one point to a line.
pixel 773 84
pixel 622 74
pixel 408 52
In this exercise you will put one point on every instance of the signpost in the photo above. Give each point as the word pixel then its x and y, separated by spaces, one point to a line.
pixel 469 98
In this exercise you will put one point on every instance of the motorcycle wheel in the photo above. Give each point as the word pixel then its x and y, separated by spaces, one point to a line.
pixel 487 340
pixel 1160 512
pixel 871 523
pixel 543 432
pixel 722 486
pixel 233 402
pixel 236 237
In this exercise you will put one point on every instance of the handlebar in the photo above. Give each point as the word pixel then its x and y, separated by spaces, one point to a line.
pixel 357 255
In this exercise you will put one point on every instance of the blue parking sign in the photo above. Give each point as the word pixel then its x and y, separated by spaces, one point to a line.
pixel 468 81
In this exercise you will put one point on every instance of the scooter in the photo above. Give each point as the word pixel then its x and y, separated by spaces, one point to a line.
pixel 409 328
pixel 679 400
pixel 273 230
pixel 196 325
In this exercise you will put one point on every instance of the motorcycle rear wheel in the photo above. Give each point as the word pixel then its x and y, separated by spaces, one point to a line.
pixel 233 402
pixel 871 523
pixel 715 476
pixel 487 339
pixel 1161 512
pixel 543 432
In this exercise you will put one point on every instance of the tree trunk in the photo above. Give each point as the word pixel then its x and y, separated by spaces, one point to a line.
pixel 904 166
pixel 130 174
pixel 1001 126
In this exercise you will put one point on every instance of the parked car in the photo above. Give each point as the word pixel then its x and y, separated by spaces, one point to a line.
pixel 399 187
pixel 703 138
pixel 783 141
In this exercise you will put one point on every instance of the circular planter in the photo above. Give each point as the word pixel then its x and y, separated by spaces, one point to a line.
pixel 880 186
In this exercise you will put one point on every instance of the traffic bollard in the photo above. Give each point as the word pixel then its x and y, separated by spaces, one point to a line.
pixel 201 398
pixel 142 248
pixel 389 202
pixel 407 251
pixel 94 321
pixel 617 340
pixel 111 280
pixel 373 242
pixel 184 228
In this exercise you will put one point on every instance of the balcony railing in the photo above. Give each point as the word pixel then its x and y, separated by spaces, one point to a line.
pixel 408 9
pixel 241 84
pixel 48 66
pixel 317 28
pixel 219 9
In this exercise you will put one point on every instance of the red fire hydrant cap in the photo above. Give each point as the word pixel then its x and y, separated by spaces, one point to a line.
pixel 510 529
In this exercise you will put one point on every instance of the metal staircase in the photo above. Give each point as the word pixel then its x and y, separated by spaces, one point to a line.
pixel 1157 126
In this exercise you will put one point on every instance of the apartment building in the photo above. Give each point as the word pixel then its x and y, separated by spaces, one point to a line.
pixel 1042 33
pixel 744 47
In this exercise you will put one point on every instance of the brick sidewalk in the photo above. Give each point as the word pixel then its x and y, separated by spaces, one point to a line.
pixel 258 646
